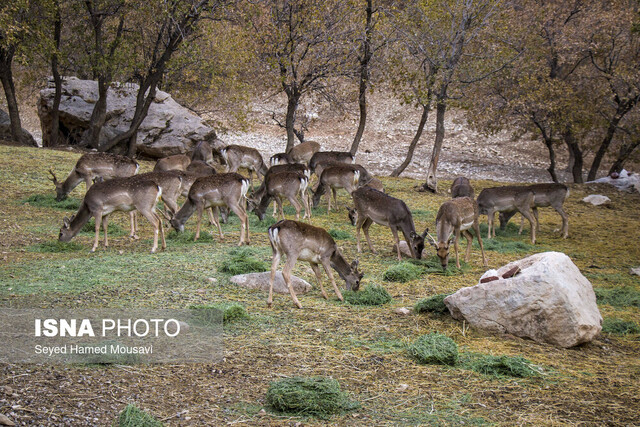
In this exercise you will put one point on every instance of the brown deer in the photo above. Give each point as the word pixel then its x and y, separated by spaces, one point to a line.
pixel 371 206
pixel 202 152
pixel 339 175
pixel 239 156
pixel 225 189
pixel 325 157
pixel 506 199
pixel 461 187
pixel 301 153
pixel 118 194
pixel 292 167
pixel 91 166
pixel 454 217
pixel 544 195
pixel 201 168
pixel 176 162
pixel 289 185
pixel 300 241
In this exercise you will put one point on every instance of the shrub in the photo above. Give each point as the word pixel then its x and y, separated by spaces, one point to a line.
pixel 502 366
pixel 619 326
pixel 316 396
pixel 340 234
pixel 49 201
pixel 434 349
pixel 132 416
pixel 434 304
pixel 242 261
pixel 231 311
pixel 370 295
pixel 403 272
pixel 55 246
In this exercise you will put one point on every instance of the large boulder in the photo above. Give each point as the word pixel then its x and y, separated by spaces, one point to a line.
pixel 261 281
pixel 548 300
pixel 168 128
pixel 5 131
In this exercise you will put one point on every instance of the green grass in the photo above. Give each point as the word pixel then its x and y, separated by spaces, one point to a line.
pixel 49 201
pixel 504 246
pixel 231 311
pixel 434 304
pixel 242 261
pixel 55 246
pixel 186 237
pixel 370 295
pixel 340 234
pixel 132 416
pixel 617 326
pixel 499 366
pixel 114 229
pixel 432 266
pixel 434 349
pixel 318 397
pixel 403 272
pixel 618 297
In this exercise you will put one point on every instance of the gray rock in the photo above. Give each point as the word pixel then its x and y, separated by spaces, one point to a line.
pixel 405 251
pixel 261 281
pixel 636 271
pixel 5 130
pixel 549 301
pixel 168 129
pixel 596 199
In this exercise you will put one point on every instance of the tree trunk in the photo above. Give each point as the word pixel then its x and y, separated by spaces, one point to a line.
pixel 98 115
pixel 364 80
pixel 623 156
pixel 6 77
pixel 292 107
pixel 55 111
pixel 423 120
pixel 576 153
pixel 431 184
pixel 552 160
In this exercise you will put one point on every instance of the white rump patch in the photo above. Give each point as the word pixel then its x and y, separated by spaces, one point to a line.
pixel 356 177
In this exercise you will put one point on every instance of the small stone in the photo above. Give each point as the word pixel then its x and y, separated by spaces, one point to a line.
pixel 596 199
pixel 262 413
pixel 5 421
pixel 403 311
pixel 212 280
pixel 402 387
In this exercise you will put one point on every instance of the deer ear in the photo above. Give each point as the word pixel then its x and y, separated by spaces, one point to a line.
pixel 354 265
pixel 413 235
pixel 426 231
pixel 66 222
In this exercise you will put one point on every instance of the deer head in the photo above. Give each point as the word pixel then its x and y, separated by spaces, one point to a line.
pixel 352 277
pixel 417 243
pixel 442 248
pixel 66 234
pixel 60 194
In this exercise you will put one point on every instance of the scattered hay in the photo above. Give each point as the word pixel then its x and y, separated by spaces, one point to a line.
pixel 434 349
pixel 340 234
pixel 370 295
pixel 501 366
pixel 318 397
pixel 49 201
pixel 434 304
pixel 242 261
pixel 55 246
pixel 403 272
pixel 231 311
pixel 618 326
pixel 505 246
pixel 618 297
pixel 432 266
pixel 132 416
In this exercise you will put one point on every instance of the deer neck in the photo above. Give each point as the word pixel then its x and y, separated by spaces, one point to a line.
pixel 185 212
pixel 71 182
pixel 82 217
pixel 339 264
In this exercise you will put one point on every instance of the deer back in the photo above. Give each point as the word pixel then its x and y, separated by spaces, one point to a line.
pixel 175 162
pixel 551 194
pixel 329 157
pixel 303 152
pixel 202 152
pixel 461 187
pixel 506 198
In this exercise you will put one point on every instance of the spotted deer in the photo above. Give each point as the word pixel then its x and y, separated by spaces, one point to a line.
pixel 91 166
pixel 371 206
pixel 336 176
pixel 454 217
pixel 301 153
pixel 293 167
pixel 506 199
pixel 176 162
pixel 118 194
pixel 239 156
pixel 300 241
pixel 202 152
pixel 327 157
pixel 461 187
pixel 225 189
pixel 287 184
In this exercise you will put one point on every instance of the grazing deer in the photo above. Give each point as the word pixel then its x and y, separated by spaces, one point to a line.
pixel 238 156
pixel 201 168
pixel 461 187
pixel 324 157
pixel 454 217
pixel 506 199
pixel 177 162
pixel 294 167
pixel 225 189
pixel 288 184
pixel 544 195
pixel 371 206
pixel 300 241
pixel 91 166
pixel 340 175
pixel 118 194
pixel 202 152
pixel 301 153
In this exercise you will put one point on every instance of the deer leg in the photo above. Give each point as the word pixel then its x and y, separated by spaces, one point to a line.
pixel 216 221
pixel 365 227
pixel 565 222
pixel 133 218
pixel 160 226
pixel 274 266
pixel 535 215
pixel 87 182
pixel 397 240
pixel 476 228
pixel 157 223
pixel 200 208
pixel 455 247
pixel 294 201
pixel 329 201
pixel 521 224
pixel 316 271
pixel 98 217
pixel 335 197
pixel 210 213
pixel 105 225
pixel 490 218
pixel 244 223
pixel 528 216
pixel 286 274
pixel 469 238
pixel 327 269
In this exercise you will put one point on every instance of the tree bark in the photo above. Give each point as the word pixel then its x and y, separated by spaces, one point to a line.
pixel 364 80
pixel 552 160
pixel 290 121
pixel 423 120
pixel 623 155
pixel 6 77
pixel 55 111
pixel 431 184
pixel 576 153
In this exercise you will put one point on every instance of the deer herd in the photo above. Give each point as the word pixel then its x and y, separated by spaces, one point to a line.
pixel 113 185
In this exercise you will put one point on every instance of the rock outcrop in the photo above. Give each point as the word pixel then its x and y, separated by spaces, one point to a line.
pixel 548 301
pixel 5 131
pixel 261 281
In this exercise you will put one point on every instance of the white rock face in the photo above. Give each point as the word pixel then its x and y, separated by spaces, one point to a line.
pixel 168 129
pixel 261 281
pixel 596 199
pixel 549 301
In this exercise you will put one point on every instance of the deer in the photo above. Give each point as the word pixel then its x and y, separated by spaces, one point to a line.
pixel 544 195
pixel 118 194
pixel 454 217
pixel 90 166
pixel 325 157
pixel 225 189
pixel 371 206
pixel 301 153
pixel 239 156
pixel 292 167
pixel 201 168
pixel 202 152
pixel 340 175
pixel 461 187
pixel 288 184
pixel 506 199
pixel 301 241
pixel 176 162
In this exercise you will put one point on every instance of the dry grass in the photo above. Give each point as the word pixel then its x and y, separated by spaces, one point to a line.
pixel 360 346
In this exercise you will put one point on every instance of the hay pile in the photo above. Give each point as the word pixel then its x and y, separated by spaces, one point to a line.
pixel 434 349
pixel 132 416
pixel 434 304
pixel 319 397
pixel 371 295
pixel 242 261
pixel 403 272
pixel 502 366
